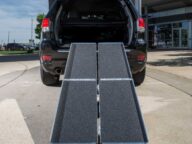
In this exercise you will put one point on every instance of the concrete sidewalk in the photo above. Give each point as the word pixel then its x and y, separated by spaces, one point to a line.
pixel 173 62
pixel 9 64
pixel 10 67
pixel 19 68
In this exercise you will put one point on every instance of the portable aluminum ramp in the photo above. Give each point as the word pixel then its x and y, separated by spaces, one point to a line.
pixel 98 102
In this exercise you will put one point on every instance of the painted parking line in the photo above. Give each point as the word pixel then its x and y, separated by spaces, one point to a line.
pixel 13 128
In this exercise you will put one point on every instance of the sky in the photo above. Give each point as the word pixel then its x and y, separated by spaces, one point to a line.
pixel 16 17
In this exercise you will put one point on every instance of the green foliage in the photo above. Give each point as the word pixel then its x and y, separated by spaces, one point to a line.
pixel 12 52
pixel 38 26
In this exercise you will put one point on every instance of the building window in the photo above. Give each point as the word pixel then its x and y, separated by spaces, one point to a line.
pixel 164 36
pixel 172 35
pixel 180 34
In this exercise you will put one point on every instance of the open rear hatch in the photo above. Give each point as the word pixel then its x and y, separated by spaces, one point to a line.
pixel 91 21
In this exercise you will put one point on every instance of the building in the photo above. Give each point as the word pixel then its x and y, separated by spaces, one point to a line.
pixel 169 23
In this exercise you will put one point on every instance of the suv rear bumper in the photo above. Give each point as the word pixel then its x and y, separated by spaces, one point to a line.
pixel 59 58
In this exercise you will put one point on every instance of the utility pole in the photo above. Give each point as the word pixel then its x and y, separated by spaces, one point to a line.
pixel 14 44
pixel 1 47
pixel 31 41
pixel 32 29
pixel 8 37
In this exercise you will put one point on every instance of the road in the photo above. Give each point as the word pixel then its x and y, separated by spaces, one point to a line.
pixel 167 108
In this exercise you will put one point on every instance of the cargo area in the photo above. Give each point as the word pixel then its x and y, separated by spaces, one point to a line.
pixel 92 21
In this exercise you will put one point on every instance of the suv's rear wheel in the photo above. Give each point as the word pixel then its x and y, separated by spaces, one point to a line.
pixel 49 79
pixel 139 77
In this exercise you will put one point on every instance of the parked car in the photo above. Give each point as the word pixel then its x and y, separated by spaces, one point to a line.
pixel 29 48
pixel 37 47
pixel 90 21
pixel 14 46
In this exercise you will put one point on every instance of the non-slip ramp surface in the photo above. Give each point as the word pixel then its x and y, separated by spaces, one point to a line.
pixel 77 114
pixel 82 61
pixel 76 118
pixel 121 120
pixel 112 62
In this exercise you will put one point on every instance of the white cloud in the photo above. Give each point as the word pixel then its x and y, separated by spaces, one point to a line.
pixel 15 17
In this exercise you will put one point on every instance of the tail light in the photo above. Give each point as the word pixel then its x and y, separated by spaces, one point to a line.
pixel 45 25
pixel 46 58
pixel 141 25
pixel 141 57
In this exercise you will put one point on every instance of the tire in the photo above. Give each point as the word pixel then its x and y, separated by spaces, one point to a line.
pixel 49 79
pixel 139 77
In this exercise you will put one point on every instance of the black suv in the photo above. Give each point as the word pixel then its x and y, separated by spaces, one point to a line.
pixel 71 21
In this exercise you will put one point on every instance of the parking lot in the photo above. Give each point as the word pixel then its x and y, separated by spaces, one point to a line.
pixel 28 107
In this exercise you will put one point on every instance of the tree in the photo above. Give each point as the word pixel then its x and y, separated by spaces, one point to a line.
pixel 38 26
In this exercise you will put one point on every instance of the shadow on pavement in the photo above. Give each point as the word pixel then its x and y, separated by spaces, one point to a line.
pixel 32 57
pixel 179 62
pixel 181 54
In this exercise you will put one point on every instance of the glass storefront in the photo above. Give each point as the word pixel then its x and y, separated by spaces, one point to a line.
pixel 172 35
